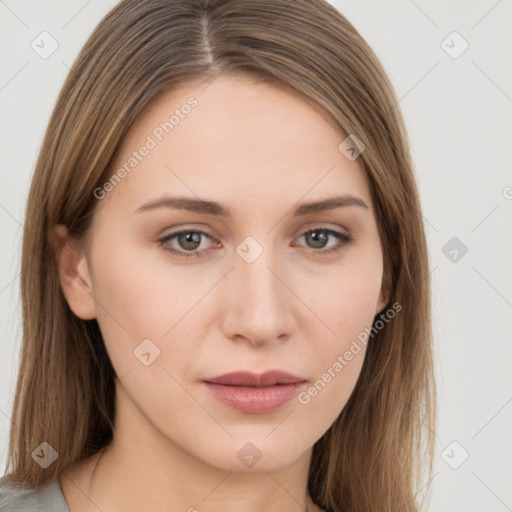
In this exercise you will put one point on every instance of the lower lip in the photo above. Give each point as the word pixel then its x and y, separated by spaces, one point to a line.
pixel 254 400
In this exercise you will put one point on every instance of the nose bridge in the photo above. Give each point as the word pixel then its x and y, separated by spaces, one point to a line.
pixel 261 283
pixel 258 301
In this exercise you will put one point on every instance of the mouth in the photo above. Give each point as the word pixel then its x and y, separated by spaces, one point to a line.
pixel 253 393
pixel 268 378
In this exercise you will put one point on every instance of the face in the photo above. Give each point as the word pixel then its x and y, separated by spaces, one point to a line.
pixel 255 282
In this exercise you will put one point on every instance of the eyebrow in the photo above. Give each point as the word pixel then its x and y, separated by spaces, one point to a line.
pixel 214 208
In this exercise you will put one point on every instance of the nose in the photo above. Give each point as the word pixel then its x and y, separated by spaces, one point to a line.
pixel 259 305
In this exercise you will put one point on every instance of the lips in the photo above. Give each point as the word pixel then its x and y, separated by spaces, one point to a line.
pixel 269 378
pixel 253 393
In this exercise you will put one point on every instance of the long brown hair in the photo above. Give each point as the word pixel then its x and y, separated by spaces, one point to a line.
pixel 372 456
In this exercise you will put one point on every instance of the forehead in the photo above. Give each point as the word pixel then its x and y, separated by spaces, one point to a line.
pixel 235 137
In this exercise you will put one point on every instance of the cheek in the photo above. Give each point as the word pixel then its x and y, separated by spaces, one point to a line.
pixel 142 294
pixel 345 301
pixel 130 304
pixel 142 298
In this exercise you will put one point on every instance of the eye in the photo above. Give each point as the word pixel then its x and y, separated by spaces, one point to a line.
pixel 319 238
pixel 190 241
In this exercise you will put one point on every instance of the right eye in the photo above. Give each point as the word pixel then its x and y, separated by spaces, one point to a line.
pixel 189 240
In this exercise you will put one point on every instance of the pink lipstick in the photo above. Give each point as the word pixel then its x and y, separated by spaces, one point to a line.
pixel 253 393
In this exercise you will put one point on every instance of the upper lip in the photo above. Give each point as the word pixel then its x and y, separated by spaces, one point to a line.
pixel 269 378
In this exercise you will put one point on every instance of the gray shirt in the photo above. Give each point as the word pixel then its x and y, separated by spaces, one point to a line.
pixel 48 498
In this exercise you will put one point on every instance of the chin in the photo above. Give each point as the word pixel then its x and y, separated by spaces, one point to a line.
pixel 256 453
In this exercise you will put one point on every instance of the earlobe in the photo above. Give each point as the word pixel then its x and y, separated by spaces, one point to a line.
pixel 74 276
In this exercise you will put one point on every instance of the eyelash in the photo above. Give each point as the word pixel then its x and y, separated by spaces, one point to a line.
pixel 343 238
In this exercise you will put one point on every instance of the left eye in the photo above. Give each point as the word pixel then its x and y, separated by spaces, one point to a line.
pixel 190 241
pixel 319 237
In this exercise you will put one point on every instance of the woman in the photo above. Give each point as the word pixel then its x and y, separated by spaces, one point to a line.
pixel 224 273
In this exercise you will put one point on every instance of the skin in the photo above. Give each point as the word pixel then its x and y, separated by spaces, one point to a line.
pixel 259 151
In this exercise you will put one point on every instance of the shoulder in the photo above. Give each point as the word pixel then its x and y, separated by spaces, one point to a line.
pixel 48 498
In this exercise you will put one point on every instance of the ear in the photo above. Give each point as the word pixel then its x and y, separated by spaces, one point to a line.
pixel 74 276
pixel 385 292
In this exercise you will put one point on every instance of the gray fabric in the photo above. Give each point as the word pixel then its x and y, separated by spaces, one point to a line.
pixel 48 498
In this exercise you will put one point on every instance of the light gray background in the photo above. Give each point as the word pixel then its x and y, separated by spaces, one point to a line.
pixel 459 116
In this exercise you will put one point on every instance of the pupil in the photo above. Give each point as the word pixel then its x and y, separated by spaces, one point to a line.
pixel 187 238
pixel 319 236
